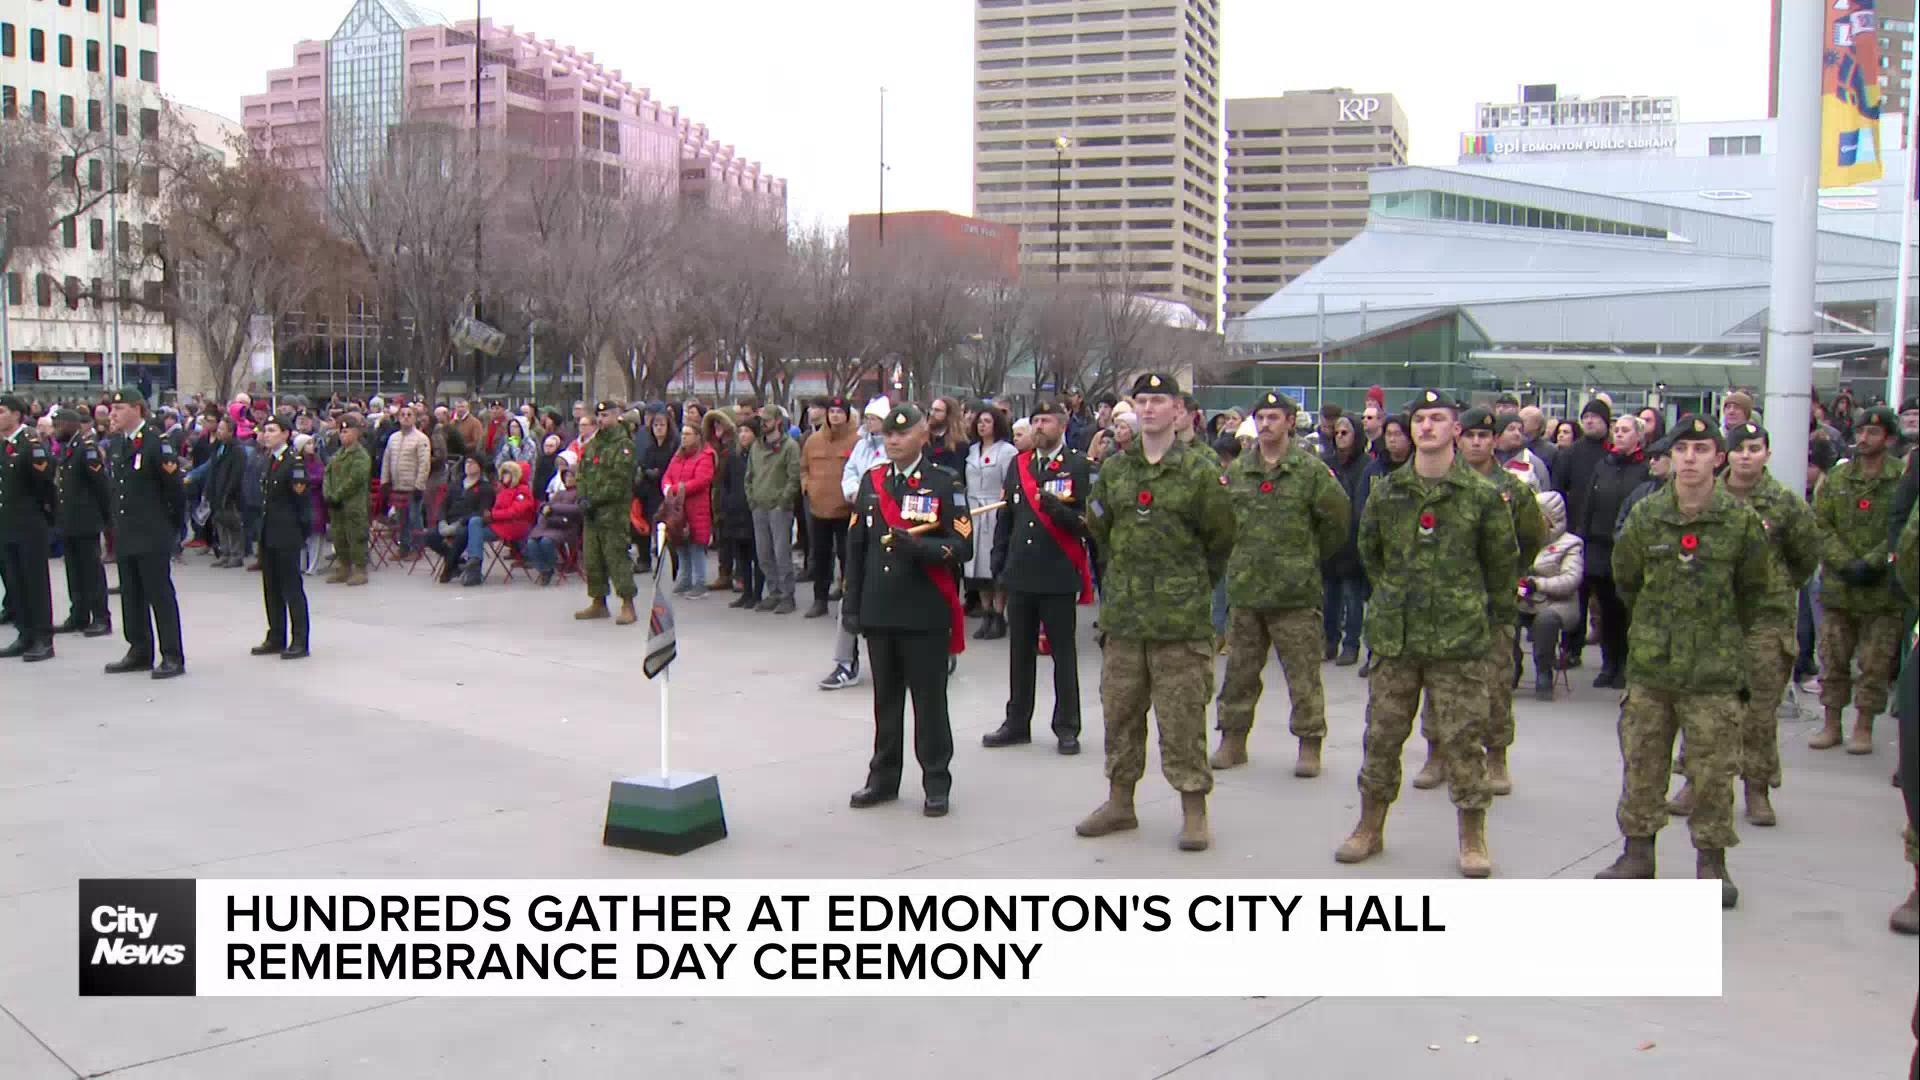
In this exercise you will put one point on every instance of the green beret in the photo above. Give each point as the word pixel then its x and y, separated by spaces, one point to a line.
pixel 1881 417
pixel 1273 400
pixel 901 418
pixel 1155 383
pixel 1695 429
pixel 1477 420
pixel 607 406
pixel 1431 399
pixel 127 395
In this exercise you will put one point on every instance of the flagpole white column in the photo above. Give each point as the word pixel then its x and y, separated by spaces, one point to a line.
pixel 1903 267
pixel 666 673
pixel 1789 340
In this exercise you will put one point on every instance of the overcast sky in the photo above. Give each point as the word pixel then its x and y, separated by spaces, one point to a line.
pixel 797 84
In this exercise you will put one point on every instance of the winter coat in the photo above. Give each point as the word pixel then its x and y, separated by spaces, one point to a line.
pixel 1572 470
pixel 1614 478
pixel 1353 478
pixel 560 519
pixel 464 502
pixel 868 451
pixel 544 466
pixel 694 473
pixel 773 475
pixel 652 468
pixel 407 463
pixel 823 457
pixel 513 512
pixel 253 470
pixel 733 516
pixel 1559 568
pixel 224 475
pixel 523 452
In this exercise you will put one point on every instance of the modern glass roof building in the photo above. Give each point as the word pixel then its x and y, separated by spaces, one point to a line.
pixel 1626 273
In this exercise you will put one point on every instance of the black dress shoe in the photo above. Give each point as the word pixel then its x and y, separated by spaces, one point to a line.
pixel 131 662
pixel 70 627
pixel 41 651
pixel 19 648
pixel 1005 736
pixel 1069 745
pixel 97 629
pixel 871 796
pixel 935 806
pixel 170 668
pixel 298 652
pixel 266 648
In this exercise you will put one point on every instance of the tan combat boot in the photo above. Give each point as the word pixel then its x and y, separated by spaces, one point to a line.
pixel 1760 804
pixel 1193 822
pixel 1634 862
pixel 595 610
pixel 1434 771
pixel 1114 815
pixel 1474 860
pixel 1712 863
pixel 1681 805
pixel 1309 763
pixel 1828 736
pixel 1861 741
pixel 1369 836
pixel 1233 750
pixel 627 616
pixel 339 574
pixel 1906 918
pixel 357 575
pixel 1498 779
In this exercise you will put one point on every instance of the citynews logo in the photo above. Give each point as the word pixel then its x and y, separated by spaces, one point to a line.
pixel 136 937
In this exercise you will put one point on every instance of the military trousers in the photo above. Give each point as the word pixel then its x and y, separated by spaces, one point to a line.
pixel 1296 636
pixel 285 596
pixel 603 555
pixel 1173 679
pixel 148 607
pixel 1500 661
pixel 86 580
pixel 1872 639
pixel 348 532
pixel 1771 653
pixel 23 562
pixel 1649 721
pixel 912 663
pixel 1458 691
pixel 1027 612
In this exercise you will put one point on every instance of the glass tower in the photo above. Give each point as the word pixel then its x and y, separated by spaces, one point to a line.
pixel 366 95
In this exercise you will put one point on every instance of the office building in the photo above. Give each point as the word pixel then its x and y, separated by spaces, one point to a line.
pixel 1543 126
pixel 88 72
pixel 973 246
pixel 1899 45
pixel 1297 181
pixel 1097 132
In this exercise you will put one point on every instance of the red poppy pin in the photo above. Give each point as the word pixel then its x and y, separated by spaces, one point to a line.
pixel 1689 542
pixel 1266 487
pixel 1055 466
pixel 1145 499
pixel 1866 504
pixel 1427 521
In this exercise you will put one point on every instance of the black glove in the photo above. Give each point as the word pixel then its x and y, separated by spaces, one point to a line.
pixel 914 547
pixel 335 505
pixel 850 621
pixel 1860 573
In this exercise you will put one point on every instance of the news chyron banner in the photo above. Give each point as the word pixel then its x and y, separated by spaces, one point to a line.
pixel 747 938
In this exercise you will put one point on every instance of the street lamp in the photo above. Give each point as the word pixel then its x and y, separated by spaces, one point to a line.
pixel 1060 144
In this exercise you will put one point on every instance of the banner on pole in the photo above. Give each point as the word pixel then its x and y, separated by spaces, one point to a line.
pixel 1850 95
pixel 662 646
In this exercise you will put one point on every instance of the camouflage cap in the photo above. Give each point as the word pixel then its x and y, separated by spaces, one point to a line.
pixel 1740 433
pixel 1696 429
pixel 127 395
pixel 1477 420
pixel 1881 417
pixel 1155 383
pixel 902 418
pixel 1275 400
pixel 1431 399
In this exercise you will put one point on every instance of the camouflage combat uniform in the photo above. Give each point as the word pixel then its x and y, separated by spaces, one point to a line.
pixel 345 489
pixel 1862 621
pixel 1442 557
pixel 1908 566
pixel 1287 520
pixel 1166 530
pixel 1687 667
pixel 605 486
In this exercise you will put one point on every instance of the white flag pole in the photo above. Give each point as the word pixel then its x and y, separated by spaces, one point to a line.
pixel 666 673
pixel 1903 268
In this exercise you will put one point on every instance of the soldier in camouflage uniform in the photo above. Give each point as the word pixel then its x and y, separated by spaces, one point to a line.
pixel 606 488
pixel 1862 618
pixel 1290 514
pixel 346 488
pixel 1698 555
pixel 1161 517
pixel 1438 545
pixel 1906 918
pixel 1793 554
pixel 1530 532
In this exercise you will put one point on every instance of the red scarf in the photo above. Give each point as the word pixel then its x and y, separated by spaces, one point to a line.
pixel 942 579
pixel 1076 551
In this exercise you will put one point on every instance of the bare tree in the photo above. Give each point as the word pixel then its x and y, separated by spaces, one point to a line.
pixel 833 315
pixel 1129 324
pixel 929 316
pixel 1005 313
pixel 1066 329
pixel 734 277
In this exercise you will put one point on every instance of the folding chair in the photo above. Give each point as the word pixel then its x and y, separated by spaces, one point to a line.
pixel 505 557
pixel 383 544
pixel 566 562
pixel 1560 677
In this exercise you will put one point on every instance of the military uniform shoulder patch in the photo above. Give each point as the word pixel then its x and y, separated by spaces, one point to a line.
pixel 964 527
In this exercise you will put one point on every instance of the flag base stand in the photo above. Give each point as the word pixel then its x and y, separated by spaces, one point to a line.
pixel 668 814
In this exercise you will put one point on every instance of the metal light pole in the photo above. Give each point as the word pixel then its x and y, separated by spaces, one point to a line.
pixel 1789 351
pixel 1060 144
pixel 478 285
pixel 1903 267
pixel 111 368
pixel 883 166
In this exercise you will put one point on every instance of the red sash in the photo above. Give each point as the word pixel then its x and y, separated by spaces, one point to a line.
pixel 940 576
pixel 1076 551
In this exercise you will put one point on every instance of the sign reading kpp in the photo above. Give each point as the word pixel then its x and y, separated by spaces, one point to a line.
pixel 1358 110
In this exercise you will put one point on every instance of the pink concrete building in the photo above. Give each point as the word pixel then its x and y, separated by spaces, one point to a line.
pixel 393 61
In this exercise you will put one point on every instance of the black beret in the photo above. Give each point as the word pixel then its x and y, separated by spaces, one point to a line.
pixel 901 418
pixel 1912 405
pixel 607 406
pixel 1507 399
pixel 1431 399
pixel 1660 448
pixel 1049 408
pixel 1881 417
pixel 127 395
pixel 1740 433
pixel 1477 420
pixel 1155 383
pixel 1696 429
pixel 1274 400
pixel 275 420
pixel 69 414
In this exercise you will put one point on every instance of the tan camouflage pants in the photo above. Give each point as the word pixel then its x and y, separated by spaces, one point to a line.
pixel 1872 638
pixel 1771 651
pixel 604 557
pixel 1649 722
pixel 1175 680
pixel 1498 734
pixel 1296 637
pixel 1458 689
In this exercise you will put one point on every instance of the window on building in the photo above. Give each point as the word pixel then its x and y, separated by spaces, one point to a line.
pixel 149 123
pixel 119 61
pixel 150 294
pixel 150 238
pixel 69 234
pixel 150 181
pixel 13 288
pixel 37 46
pixel 38 108
pixel 66 50
pixel 93 114
pixel 93 56
pixel 1733 145
pixel 150 12
pixel 6 39
pixel 42 290
pixel 71 290
pixel 149 66
pixel 66 110
pixel 93 6
pixel 9 102
pixel 96 178
pixel 97 233
pixel 95 292
pixel 120 120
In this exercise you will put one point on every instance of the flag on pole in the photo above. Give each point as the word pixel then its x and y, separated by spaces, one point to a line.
pixel 661 645
pixel 1850 95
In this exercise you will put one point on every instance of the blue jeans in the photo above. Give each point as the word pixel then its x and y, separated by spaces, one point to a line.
pixel 1343 610
pixel 543 553
pixel 692 560
pixel 477 536
pixel 412 518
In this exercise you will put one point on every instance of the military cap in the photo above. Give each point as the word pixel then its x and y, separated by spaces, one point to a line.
pixel 606 406
pixel 13 402
pixel 1431 399
pixel 902 418
pixel 1155 383
pixel 1740 433
pixel 353 420
pixel 69 414
pixel 1661 448
pixel 1912 405
pixel 276 420
pixel 1048 408
pixel 1507 399
pixel 1696 429
pixel 1882 417
pixel 1477 420
pixel 1275 400
pixel 127 395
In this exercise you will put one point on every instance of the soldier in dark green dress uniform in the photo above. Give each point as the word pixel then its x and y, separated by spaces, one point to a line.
pixel 902 595
pixel 145 472
pixel 28 505
pixel 85 507
pixel 286 518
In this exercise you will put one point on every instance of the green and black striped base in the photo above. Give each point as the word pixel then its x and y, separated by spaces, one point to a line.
pixel 669 815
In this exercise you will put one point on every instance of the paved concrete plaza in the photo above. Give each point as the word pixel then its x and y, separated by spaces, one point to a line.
pixel 449 732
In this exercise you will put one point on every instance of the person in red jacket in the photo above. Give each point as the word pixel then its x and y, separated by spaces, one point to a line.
pixel 688 510
pixel 508 520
